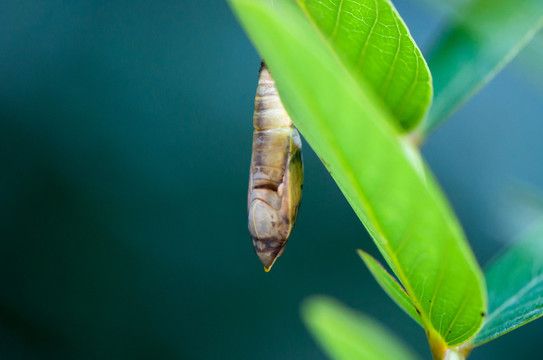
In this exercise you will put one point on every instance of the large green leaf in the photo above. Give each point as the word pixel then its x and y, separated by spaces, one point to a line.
pixel 390 285
pixel 515 287
pixel 383 178
pixel 346 335
pixel 373 42
pixel 486 36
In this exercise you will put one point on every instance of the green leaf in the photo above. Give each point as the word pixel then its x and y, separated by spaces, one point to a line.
pixel 346 335
pixel 382 177
pixel 391 286
pixel 483 40
pixel 515 287
pixel 373 42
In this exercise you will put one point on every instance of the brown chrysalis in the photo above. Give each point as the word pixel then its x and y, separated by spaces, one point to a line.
pixel 276 174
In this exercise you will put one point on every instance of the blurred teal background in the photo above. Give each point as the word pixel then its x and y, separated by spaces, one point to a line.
pixel 125 138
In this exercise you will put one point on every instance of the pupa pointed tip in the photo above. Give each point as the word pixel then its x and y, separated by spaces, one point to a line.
pixel 267 260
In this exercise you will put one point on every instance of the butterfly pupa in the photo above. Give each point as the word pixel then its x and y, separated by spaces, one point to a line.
pixel 276 173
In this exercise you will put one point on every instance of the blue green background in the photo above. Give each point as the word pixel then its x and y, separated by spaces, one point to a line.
pixel 125 138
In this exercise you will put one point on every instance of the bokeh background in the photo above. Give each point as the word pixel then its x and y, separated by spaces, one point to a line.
pixel 125 138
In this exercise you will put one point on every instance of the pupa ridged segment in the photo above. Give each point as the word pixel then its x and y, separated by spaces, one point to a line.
pixel 276 174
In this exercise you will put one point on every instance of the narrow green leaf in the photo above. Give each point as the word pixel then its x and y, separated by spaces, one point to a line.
pixel 382 177
pixel 346 335
pixel 515 287
pixel 373 42
pixel 487 35
pixel 390 286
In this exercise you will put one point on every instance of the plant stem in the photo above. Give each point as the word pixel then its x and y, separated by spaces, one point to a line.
pixel 442 351
pixel 454 355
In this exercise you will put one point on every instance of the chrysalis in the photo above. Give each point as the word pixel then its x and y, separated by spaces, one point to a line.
pixel 276 174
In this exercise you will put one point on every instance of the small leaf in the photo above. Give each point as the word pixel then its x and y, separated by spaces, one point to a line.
pixel 374 43
pixel 383 178
pixel 515 287
pixel 391 286
pixel 346 335
pixel 486 37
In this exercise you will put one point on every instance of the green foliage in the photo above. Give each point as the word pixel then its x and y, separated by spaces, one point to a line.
pixel 380 174
pixel 355 83
pixel 391 286
pixel 346 335
pixel 515 287
pixel 487 35
pixel 374 44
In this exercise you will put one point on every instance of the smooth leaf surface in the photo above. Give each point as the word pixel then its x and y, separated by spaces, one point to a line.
pixel 486 36
pixel 383 178
pixel 374 43
pixel 346 335
pixel 515 287
pixel 390 285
